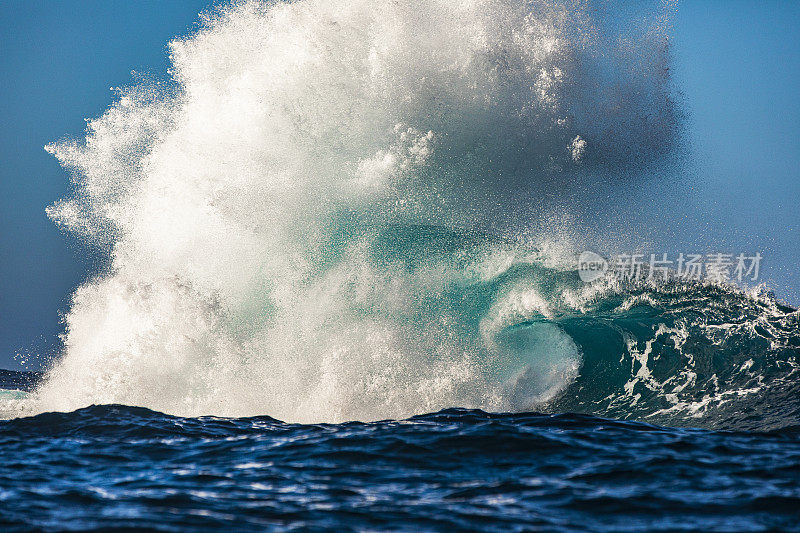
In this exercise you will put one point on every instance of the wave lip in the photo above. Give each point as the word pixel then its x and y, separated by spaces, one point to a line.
pixel 537 361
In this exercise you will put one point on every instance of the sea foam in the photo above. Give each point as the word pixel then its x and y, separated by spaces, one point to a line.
pixel 277 212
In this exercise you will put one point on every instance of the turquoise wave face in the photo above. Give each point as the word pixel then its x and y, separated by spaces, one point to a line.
pixel 687 354
pixel 673 352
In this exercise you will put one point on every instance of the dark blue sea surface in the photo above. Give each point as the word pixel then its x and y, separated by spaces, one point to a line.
pixel 110 467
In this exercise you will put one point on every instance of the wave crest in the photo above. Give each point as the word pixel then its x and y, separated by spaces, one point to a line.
pixel 275 215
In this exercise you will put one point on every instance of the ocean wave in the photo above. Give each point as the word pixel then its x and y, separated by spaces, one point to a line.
pixel 328 213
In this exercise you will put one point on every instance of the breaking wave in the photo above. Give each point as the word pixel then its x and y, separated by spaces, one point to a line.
pixel 355 210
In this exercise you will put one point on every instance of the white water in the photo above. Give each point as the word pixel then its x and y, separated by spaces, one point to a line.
pixel 220 196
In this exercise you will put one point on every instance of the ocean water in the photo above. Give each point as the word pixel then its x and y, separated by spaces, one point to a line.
pixel 338 290
pixel 114 467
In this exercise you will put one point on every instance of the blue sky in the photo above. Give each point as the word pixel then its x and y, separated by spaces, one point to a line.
pixel 57 63
pixel 737 65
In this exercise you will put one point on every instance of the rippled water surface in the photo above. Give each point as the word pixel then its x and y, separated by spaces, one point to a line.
pixel 116 467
